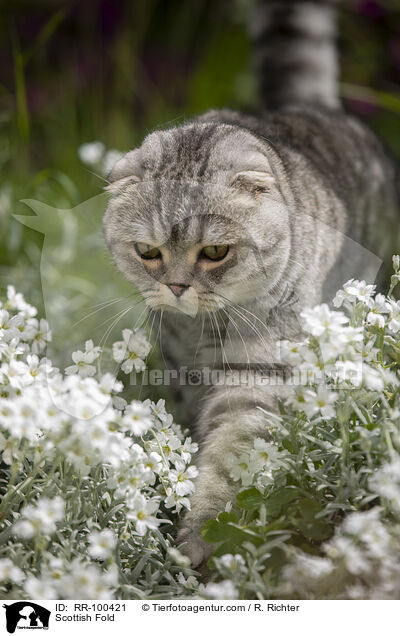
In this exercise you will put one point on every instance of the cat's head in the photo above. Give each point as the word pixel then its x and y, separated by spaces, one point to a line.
pixel 196 220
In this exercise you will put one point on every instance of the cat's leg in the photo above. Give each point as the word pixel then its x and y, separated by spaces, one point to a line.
pixel 232 431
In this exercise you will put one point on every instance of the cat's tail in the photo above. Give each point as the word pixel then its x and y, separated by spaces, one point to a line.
pixel 295 52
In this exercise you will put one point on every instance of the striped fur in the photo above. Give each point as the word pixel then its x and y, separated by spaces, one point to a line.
pixel 306 198
pixel 295 52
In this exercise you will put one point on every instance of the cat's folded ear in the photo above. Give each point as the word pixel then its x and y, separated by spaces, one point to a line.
pixel 252 181
pixel 126 170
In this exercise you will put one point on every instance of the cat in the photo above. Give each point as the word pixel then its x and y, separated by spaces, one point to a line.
pixel 230 224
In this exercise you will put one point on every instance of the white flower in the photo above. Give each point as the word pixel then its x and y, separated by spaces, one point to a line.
pixel 240 468
pixel 169 443
pixel 102 544
pixel 181 477
pixel 84 360
pixel 10 326
pixel 320 401
pixel 16 302
pixel 188 448
pixel 347 371
pixel 42 334
pixel 386 482
pixel 189 582
pixel 158 409
pixel 224 590
pixel 354 290
pixel 264 454
pixel 341 344
pixel 359 289
pixel 232 562
pixel 55 567
pixel 367 527
pixel 378 307
pixel 153 462
pixel 179 558
pixel 137 418
pixel 91 153
pixel 132 478
pixel 141 511
pixel 39 588
pixel 40 518
pixel 87 581
pixel 10 450
pixel 321 320
pixel 306 567
pixel 110 159
pixel 10 572
pixel 394 317
pixel 354 559
pixel 291 352
pixel 173 500
pixel 297 399
pixel 15 373
pixel 132 350
pixel 109 384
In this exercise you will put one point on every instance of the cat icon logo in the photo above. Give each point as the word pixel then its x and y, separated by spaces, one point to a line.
pixel 26 615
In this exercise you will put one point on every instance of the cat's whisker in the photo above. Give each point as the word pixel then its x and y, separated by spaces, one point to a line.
pixel 213 332
pixel 151 329
pixel 109 329
pixel 138 324
pixel 231 320
pixel 237 306
pixel 250 324
pixel 218 333
pixel 117 314
pixel 228 333
pixel 115 320
pixel 106 302
pixel 160 332
pixel 99 176
pixel 105 305
pixel 199 341
pixel 222 344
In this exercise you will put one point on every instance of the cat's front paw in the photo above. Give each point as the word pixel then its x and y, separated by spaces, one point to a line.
pixel 191 544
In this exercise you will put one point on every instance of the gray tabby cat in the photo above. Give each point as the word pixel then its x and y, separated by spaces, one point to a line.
pixel 230 224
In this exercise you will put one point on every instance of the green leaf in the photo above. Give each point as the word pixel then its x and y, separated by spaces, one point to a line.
pixel 308 509
pixel 280 498
pixel 250 499
pixel 226 517
pixel 227 547
pixel 317 531
pixel 225 529
pixel 212 531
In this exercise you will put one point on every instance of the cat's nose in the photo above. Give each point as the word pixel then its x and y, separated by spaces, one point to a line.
pixel 177 289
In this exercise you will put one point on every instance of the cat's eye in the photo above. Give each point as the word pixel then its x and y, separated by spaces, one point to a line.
pixel 147 252
pixel 215 252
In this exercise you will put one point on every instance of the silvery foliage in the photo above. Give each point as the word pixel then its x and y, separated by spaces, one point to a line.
pixel 90 484
pixel 318 514
pixel 89 502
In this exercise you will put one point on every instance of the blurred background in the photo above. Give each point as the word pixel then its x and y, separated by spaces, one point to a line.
pixel 107 72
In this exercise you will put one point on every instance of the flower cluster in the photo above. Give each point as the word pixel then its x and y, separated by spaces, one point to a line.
pixel 361 561
pixel 98 477
pixel 132 350
pixel 325 521
pixel 95 155
pixel 342 351
pixel 257 466
pixel 91 480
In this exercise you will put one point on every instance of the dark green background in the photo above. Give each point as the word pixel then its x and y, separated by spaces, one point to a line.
pixel 113 70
